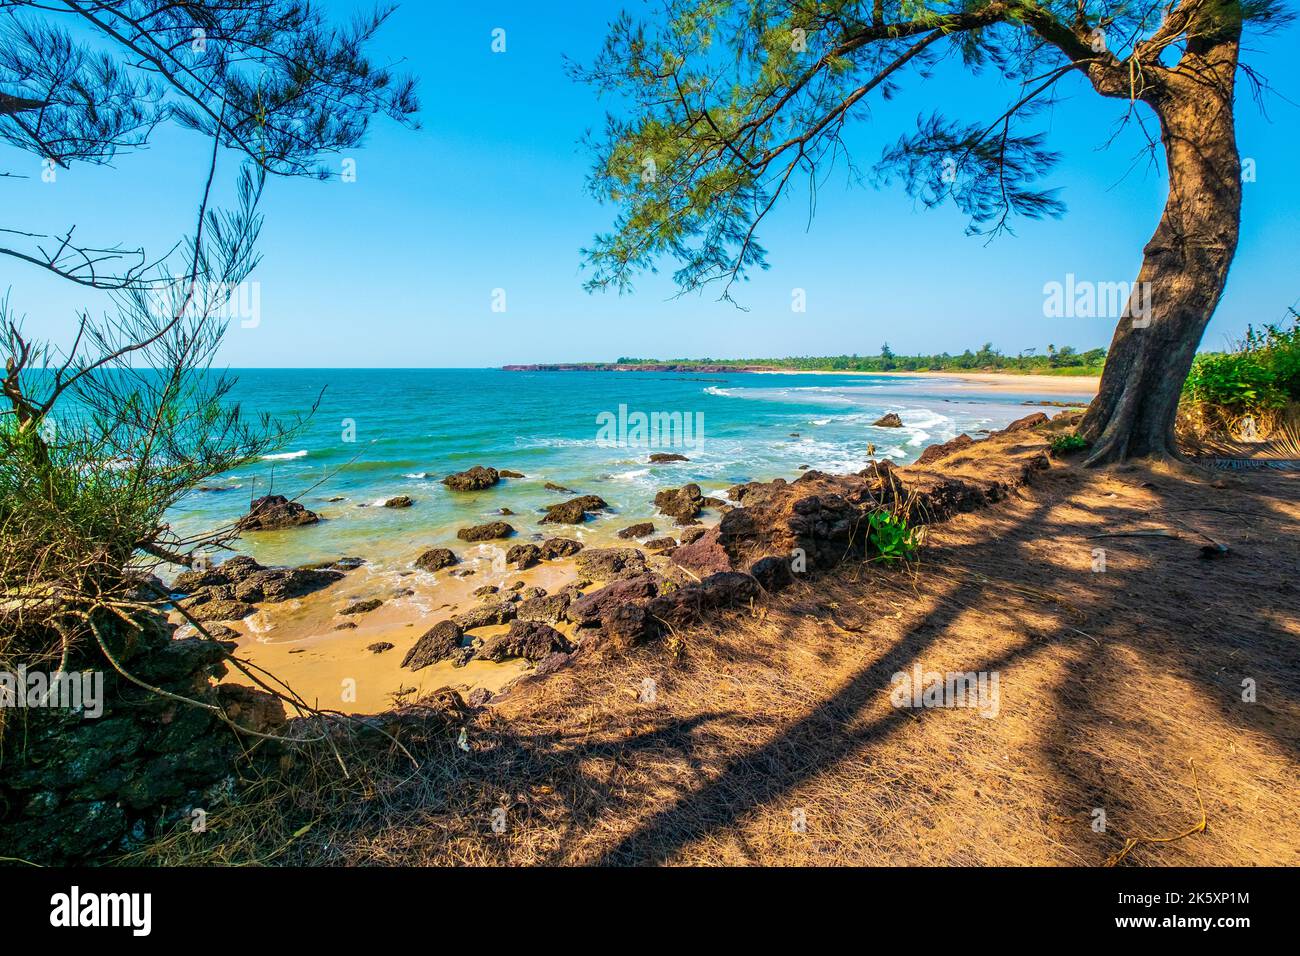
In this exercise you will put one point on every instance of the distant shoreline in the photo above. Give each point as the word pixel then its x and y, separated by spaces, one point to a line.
pixel 1011 383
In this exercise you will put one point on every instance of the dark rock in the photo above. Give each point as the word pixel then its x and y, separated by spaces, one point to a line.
pixel 661 544
pixel 690 535
pixel 379 647
pixel 688 604
pixel 599 606
pixel 486 532
pixel 274 585
pixel 504 473
pixel 478 697
pixel 531 640
pixel 500 612
pixel 705 555
pixel 573 511
pixel 935 452
pixel 888 421
pixel 640 530
pixel 560 548
pixel 436 644
pixel 547 608
pixel 524 556
pixel 607 564
pixel 485 591
pixel 552 486
pixel 435 559
pixel 551 663
pixel 504 511
pixel 1029 421
pixel 362 607
pixel 272 512
pixel 220 632
pixel 401 501
pixel 772 572
pixel 345 626
pixel 660 457
pixel 681 504
pixel 222 611
pixel 473 479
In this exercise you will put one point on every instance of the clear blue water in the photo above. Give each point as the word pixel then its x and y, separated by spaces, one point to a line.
pixel 410 427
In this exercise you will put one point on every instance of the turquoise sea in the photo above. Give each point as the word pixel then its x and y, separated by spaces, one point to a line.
pixel 379 433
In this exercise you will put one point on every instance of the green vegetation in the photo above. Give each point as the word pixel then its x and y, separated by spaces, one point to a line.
pixel 1063 444
pixel 890 538
pixel 1063 361
pixel 1262 373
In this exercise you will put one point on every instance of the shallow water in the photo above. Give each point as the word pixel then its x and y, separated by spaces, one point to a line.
pixel 381 433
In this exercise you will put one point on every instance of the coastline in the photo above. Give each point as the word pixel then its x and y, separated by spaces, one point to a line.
pixel 326 656
pixel 1005 383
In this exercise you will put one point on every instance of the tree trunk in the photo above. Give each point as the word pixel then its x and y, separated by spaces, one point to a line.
pixel 1184 266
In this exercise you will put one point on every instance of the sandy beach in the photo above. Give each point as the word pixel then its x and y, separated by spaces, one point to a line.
pixel 1005 383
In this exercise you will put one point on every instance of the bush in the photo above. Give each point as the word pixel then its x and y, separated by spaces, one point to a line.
pixel 1069 442
pixel 1261 374
pixel 890 537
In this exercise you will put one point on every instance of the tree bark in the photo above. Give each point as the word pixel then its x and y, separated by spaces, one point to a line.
pixel 1185 264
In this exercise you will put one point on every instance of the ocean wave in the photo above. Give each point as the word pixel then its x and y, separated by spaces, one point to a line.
pixel 285 456
pixel 716 390
pixel 418 475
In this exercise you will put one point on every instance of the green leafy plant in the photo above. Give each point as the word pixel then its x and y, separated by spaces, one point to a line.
pixel 889 536
pixel 1068 442
pixel 1262 372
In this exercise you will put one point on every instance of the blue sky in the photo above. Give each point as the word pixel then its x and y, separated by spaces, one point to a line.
pixel 399 267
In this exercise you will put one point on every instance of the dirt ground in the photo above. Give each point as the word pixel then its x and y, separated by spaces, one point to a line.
pixel 1133 703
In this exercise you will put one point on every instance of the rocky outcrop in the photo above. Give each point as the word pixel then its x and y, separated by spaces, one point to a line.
pixel 274 512
pixel 704 556
pixel 473 479
pixel 486 532
pixel 400 501
pixel 642 529
pixel 661 544
pixel 435 559
pixel 496 612
pixel 890 420
pixel 573 511
pixel 524 556
pixel 506 473
pixel 607 564
pixel 553 548
pixel 220 611
pixel 935 452
pixel 531 640
pixel 362 607
pixel 436 644
pixel 243 579
pixel 689 535
pixel 76 788
pixel 598 607
pixel 660 457
pixel 682 504
pixel 686 605
pixel 547 608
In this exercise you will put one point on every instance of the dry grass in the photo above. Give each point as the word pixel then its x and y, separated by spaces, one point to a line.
pixel 1113 686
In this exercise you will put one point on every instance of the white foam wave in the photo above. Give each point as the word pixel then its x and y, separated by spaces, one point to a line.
pixel 285 456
